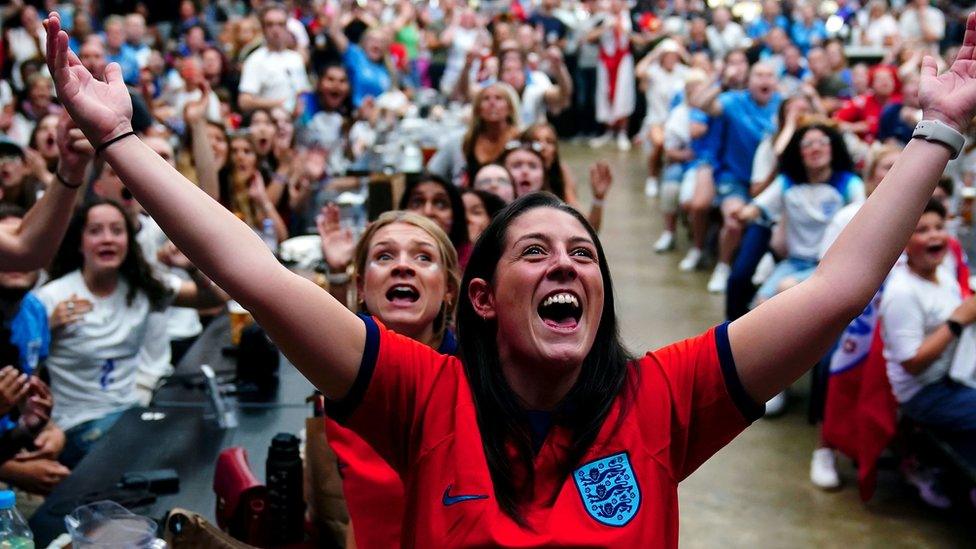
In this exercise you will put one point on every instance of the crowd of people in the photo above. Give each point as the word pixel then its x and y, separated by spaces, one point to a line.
pixel 153 152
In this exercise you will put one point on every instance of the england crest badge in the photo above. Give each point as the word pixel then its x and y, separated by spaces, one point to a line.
pixel 609 490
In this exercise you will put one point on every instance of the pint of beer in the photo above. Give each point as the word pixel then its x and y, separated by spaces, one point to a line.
pixel 239 319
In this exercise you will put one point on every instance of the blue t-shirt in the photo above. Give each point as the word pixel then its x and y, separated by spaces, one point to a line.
pixel 892 125
pixel 761 26
pixel 367 78
pixel 129 64
pixel 804 37
pixel 746 124
pixel 30 334
pixel 707 147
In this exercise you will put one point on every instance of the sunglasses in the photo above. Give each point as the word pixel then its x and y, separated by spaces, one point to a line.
pixel 534 146
pixel 488 181
pixel 818 141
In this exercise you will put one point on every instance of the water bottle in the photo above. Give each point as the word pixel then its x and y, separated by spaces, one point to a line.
pixel 269 235
pixel 285 485
pixel 14 533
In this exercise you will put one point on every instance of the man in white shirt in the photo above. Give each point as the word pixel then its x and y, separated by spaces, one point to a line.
pixel 273 76
pixel 922 24
pixel 724 34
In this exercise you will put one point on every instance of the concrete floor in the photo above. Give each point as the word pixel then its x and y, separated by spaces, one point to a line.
pixel 756 492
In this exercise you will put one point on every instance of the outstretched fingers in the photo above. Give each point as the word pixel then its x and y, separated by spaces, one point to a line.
pixel 968 48
pixel 929 67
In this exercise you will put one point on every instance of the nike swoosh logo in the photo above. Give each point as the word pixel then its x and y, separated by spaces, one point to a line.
pixel 449 500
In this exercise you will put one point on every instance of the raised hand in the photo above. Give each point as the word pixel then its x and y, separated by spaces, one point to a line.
pixel 951 96
pixel 102 110
pixel 600 179
pixel 338 244
pixel 74 150
pixel 171 256
pixel 196 110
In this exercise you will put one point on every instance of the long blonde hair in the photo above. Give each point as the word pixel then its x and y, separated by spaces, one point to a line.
pixel 448 255
pixel 477 125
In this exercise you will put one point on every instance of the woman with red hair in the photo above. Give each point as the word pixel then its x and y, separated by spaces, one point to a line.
pixel 862 114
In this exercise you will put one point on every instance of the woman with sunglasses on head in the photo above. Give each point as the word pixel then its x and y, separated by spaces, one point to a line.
pixel 494 122
pixel 545 432
pixel 816 180
pixel 406 275
pixel 434 198
pixel 495 179
pixel 526 161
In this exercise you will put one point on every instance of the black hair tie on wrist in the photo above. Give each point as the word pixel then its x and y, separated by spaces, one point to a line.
pixel 65 182
pixel 103 146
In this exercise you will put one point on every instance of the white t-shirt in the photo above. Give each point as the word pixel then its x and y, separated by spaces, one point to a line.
pixel 93 362
pixel 662 87
pixel 911 28
pixel 911 309
pixel 533 107
pixel 723 41
pixel 275 75
pixel 807 209
pixel 877 30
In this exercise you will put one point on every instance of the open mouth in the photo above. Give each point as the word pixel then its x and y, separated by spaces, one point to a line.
pixel 106 255
pixel 561 310
pixel 402 294
pixel 935 248
pixel 264 143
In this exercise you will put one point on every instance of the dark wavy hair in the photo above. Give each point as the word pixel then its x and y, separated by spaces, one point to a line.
pixel 791 161
pixel 459 221
pixel 134 268
pixel 502 417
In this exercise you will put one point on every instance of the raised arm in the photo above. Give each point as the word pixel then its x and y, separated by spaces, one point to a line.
pixel 32 245
pixel 320 336
pixel 778 341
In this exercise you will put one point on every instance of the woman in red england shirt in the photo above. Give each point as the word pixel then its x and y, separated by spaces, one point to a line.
pixel 545 432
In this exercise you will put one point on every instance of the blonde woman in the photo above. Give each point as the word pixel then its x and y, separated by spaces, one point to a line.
pixel 494 122
pixel 407 276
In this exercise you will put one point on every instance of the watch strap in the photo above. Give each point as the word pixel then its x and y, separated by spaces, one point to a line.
pixel 954 327
pixel 936 131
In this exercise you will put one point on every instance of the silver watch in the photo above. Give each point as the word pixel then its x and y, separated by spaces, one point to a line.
pixel 936 131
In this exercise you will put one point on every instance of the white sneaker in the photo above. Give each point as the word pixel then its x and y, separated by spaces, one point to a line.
pixel 600 140
pixel 650 187
pixel 623 142
pixel 764 269
pixel 691 260
pixel 664 243
pixel 719 279
pixel 776 405
pixel 823 469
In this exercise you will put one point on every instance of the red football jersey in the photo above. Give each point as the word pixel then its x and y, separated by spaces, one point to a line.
pixel 414 407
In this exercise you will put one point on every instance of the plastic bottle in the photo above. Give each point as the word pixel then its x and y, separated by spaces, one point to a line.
pixel 283 474
pixel 14 533
pixel 269 235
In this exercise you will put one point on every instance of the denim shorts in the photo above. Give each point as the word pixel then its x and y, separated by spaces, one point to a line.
pixel 727 186
pixel 791 267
